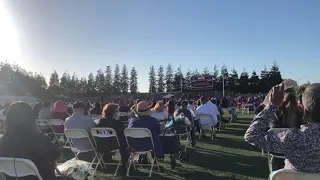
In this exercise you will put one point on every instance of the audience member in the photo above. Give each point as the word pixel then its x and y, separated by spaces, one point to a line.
pixel 209 109
pixel 105 145
pixel 159 112
pixel 22 140
pixel 185 112
pixel 45 113
pixel 79 121
pixel 97 109
pixel 124 109
pixel 59 111
pixel 144 120
pixel 300 146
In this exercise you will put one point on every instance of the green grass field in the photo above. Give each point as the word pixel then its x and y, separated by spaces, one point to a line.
pixel 228 156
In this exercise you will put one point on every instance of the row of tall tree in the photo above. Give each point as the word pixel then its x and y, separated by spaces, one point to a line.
pixel 167 81
pixel 103 83
pixel 18 81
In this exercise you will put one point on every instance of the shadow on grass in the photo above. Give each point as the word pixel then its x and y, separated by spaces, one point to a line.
pixel 231 163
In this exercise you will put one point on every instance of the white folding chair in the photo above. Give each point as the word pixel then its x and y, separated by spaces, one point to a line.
pixel 269 154
pixel 138 133
pixel 106 133
pixel 17 167
pixel 206 126
pixel 77 134
pixel 186 132
pixel 43 124
pixel 286 174
pixel 56 123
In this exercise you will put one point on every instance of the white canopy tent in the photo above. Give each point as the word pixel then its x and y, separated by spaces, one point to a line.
pixel 10 99
pixel 168 96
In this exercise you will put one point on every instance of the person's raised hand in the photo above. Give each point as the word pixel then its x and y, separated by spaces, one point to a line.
pixel 277 94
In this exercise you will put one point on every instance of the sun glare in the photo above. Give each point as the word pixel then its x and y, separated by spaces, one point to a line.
pixel 9 46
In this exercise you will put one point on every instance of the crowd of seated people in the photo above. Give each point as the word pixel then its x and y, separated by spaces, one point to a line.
pixel 147 114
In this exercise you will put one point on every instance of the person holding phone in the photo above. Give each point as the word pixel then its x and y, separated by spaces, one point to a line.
pixel 301 147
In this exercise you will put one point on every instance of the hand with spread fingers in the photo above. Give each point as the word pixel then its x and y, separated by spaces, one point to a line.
pixel 276 94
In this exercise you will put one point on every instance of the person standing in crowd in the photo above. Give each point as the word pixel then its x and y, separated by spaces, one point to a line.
pixel 188 114
pixel 45 112
pixel 171 108
pixel 97 109
pixel 22 140
pixel 79 121
pixel 191 106
pixel 144 120
pixel 110 115
pixel 300 146
pixel 59 111
pixel 159 112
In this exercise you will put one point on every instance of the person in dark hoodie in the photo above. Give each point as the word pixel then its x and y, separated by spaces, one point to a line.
pixel 97 109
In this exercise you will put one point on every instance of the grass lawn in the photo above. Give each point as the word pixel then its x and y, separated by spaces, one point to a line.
pixel 228 156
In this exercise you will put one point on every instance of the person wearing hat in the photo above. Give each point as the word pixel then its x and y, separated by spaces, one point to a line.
pixel 300 146
pixel 79 121
pixel 143 119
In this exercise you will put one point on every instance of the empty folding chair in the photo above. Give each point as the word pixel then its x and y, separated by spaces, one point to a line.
pixel 57 126
pixel 285 174
pixel 203 119
pixel 78 137
pixel 140 133
pixel 107 133
pixel 272 155
pixel 17 167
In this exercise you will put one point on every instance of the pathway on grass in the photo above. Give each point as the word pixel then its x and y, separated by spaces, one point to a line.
pixel 228 156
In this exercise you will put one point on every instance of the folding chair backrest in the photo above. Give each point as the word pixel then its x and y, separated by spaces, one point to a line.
pixel 17 167
pixel 204 116
pixel 56 122
pixel 76 133
pixel 122 114
pixel 42 123
pixel 285 174
pixel 137 132
pixel 103 132
pixel 80 139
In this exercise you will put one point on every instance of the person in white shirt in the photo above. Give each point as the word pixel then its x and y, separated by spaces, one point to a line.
pixel 190 106
pixel 159 112
pixel 207 108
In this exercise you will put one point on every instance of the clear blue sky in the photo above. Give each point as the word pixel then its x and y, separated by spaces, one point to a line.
pixel 82 36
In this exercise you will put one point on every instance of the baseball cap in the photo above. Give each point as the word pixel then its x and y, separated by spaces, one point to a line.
pixel 78 105
pixel 309 96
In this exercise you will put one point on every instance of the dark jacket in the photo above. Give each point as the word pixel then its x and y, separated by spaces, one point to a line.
pixel 109 144
pixel 153 125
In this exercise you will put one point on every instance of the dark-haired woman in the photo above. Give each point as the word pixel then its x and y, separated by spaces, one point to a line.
pixel 22 140
pixel 110 118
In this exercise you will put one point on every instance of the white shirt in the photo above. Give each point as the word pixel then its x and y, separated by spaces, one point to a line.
pixel 160 115
pixel 208 109
pixel 190 107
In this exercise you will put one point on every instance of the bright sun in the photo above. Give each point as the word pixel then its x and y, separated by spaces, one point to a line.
pixel 9 47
